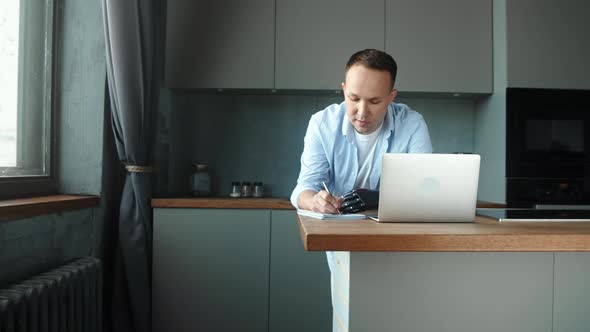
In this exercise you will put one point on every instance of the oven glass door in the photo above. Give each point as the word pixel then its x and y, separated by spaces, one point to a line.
pixel 548 133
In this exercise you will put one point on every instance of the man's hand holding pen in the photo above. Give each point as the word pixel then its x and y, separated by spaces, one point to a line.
pixel 324 202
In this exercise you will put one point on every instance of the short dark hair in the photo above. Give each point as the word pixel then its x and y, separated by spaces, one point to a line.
pixel 374 59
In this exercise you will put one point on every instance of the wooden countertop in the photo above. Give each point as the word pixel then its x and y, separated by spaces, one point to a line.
pixel 224 203
pixel 483 235
pixel 37 206
pixel 247 203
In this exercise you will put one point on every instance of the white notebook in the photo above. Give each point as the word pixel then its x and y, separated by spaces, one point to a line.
pixel 325 216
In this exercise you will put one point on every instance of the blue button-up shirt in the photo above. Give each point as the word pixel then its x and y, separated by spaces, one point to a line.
pixel 330 152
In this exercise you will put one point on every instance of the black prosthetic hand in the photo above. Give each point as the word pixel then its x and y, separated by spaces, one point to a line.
pixel 358 200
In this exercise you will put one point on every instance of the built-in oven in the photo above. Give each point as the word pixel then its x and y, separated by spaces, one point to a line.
pixel 547 147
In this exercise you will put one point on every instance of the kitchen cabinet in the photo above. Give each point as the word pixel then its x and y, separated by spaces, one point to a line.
pixel 571 292
pixel 299 280
pixel 441 46
pixel 236 270
pixel 548 45
pixel 449 291
pixel 220 44
pixel 210 269
pixel 304 44
pixel 315 38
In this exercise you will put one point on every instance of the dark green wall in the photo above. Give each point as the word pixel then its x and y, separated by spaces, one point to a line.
pixel 259 137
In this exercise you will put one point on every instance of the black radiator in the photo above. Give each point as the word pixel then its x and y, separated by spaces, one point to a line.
pixel 65 299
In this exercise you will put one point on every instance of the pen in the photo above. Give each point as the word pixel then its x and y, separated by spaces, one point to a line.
pixel 326 187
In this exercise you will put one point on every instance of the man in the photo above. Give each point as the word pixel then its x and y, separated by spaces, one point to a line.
pixel 344 143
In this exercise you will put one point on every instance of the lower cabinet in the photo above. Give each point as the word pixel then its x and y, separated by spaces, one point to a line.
pixel 236 270
pixel 449 291
pixel 299 280
pixel 210 270
pixel 571 295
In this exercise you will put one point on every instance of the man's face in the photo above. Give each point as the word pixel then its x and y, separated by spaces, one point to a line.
pixel 367 93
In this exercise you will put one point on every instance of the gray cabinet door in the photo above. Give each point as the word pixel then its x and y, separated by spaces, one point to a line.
pixel 315 39
pixel 451 292
pixel 441 46
pixel 210 270
pixel 220 44
pixel 548 44
pixel 299 280
pixel 571 304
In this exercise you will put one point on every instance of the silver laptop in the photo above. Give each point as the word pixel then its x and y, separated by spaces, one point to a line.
pixel 428 187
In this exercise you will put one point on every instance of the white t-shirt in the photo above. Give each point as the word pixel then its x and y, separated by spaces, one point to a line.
pixel 365 145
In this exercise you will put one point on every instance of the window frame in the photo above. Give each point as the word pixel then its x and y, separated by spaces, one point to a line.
pixel 38 185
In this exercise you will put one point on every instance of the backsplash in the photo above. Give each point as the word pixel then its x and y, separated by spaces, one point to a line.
pixel 260 137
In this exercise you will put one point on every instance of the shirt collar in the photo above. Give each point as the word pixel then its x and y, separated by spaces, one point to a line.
pixel 348 128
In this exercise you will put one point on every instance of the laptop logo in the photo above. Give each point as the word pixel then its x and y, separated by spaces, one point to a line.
pixel 429 187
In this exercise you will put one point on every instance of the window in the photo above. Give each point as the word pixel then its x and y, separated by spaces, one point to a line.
pixel 27 53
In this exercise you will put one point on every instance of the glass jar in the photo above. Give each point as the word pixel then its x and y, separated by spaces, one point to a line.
pixel 258 190
pixel 246 189
pixel 201 181
pixel 236 189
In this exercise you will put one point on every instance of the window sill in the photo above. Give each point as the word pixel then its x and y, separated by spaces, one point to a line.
pixel 37 206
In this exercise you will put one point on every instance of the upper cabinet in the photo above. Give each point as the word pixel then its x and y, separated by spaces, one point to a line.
pixel 316 38
pixel 441 46
pixel 548 44
pixel 220 44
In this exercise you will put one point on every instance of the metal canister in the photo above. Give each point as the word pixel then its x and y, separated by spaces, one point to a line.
pixel 246 189
pixel 258 190
pixel 236 189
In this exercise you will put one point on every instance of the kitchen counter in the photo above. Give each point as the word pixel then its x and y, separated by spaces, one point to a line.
pixel 278 203
pixel 451 276
pixel 223 203
pixel 386 276
pixel 483 235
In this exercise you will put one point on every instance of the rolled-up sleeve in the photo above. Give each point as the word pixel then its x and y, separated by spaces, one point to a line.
pixel 315 167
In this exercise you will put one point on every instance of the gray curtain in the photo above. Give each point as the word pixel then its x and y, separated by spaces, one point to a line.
pixel 131 37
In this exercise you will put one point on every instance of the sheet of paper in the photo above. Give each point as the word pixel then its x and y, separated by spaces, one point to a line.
pixel 318 215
